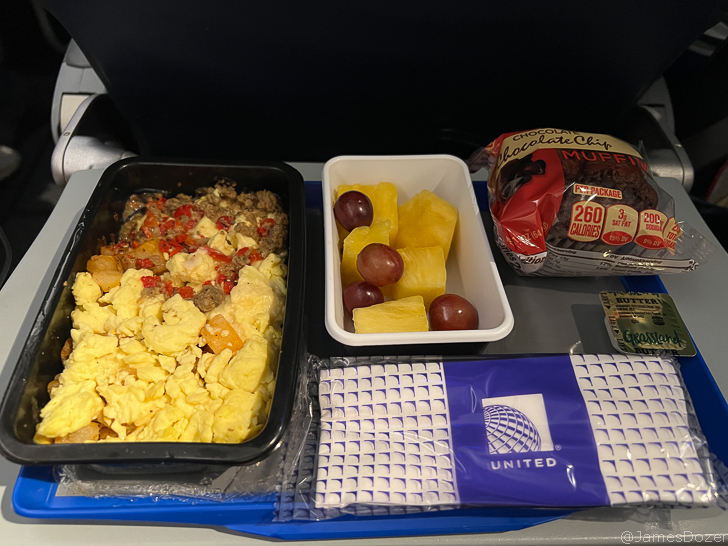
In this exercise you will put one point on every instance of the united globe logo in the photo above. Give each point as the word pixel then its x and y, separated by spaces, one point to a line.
pixel 509 430
pixel 516 424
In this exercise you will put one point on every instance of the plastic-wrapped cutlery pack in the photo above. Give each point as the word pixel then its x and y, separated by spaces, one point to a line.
pixel 556 431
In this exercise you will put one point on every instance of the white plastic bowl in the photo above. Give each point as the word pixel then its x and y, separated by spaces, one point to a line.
pixel 471 270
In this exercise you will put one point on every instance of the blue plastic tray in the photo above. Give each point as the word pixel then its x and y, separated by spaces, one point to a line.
pixel 34 495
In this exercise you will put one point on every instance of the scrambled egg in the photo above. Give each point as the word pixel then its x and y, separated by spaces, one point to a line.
pixel 195 268
pixel 137 368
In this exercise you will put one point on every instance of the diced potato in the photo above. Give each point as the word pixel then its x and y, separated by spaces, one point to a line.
pixel 146 250
pixel 103 263
pixel 424 274
pixel 105 270
pixel 150 250
pixel 89 433
pixel 108 250
pixel 106 432
pixel 405 315
pixel 355 243
pixel 107 279
pixel 426 220
pixel 53 384
pixel 384 202
pixel 219 335
pixel 66 350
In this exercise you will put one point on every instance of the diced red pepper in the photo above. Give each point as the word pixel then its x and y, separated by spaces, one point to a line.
pixel 168 288
pixel 192 212
pixel 160 202
pixel 166 226
pixel 184 210
pixel 227 286
pixel 191 249
pixel 144 263
pixel 150 220
pixel 186 292
pixel 255 256
pixel 135 244
pixel 243 251
pixel 224 222
pixel 147 231
pixel 217 255
pixel 170 247
pixel 207 283
pixel 150 282
pixel 265 226
pixel 221 279
pixel 181 238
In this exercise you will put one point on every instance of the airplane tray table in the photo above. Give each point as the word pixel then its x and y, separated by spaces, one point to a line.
pixel 551 316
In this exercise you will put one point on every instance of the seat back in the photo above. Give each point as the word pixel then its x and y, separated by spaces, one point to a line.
pixel 309 80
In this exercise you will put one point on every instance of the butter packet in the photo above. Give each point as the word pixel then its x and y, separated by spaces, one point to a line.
pixel 646 323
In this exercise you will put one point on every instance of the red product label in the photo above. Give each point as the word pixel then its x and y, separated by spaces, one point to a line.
pixel 528 195
pixel 586 221
pixel 620 225
pixel 671 234
pixel 649 233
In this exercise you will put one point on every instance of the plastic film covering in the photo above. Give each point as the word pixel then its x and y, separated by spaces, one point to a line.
pixel 414 434
pixel 567 203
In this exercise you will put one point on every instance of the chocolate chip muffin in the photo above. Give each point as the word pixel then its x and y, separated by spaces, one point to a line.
pixel 603 171
pixel 517 173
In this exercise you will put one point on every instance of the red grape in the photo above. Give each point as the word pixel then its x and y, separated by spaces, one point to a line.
pixel 353 209
pixel 361 294
pixel 380 264
pixel 452 312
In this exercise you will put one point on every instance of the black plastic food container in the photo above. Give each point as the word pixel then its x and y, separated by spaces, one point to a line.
pixel 40 359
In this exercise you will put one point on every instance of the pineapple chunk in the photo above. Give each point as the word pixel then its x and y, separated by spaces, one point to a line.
pixel 424 274
pixel 355 243
pixel 405 315
pixel 384 202
pixel 426 220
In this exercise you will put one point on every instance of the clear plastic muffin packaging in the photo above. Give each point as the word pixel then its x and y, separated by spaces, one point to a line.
pixel 567 203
